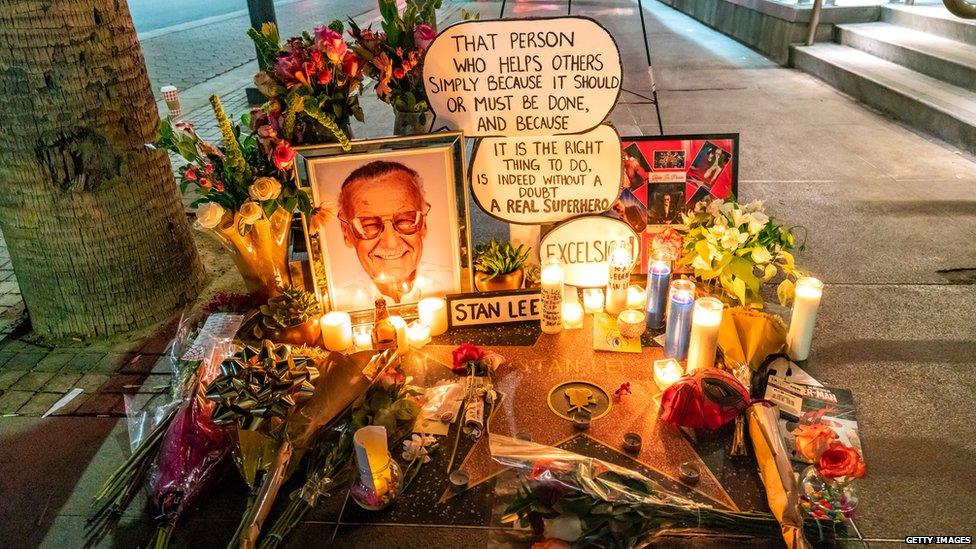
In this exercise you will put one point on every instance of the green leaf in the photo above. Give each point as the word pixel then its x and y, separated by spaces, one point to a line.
pixel 785 291
pixel 405 409
pixel 739 289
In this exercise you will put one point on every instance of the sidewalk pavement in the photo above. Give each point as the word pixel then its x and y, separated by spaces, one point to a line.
pixel 888 211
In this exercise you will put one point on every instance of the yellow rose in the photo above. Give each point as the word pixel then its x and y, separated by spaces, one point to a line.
pixel 209 215
pixel 264 188
pixel 250 212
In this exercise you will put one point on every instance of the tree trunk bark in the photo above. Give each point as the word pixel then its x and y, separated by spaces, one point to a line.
pixel 96 230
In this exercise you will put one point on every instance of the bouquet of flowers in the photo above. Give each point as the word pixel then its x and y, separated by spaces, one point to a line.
pixel 245 192
pixel 574 500
pixel 394 56
pixel 740 247
pixel 828 493
pixel 312 83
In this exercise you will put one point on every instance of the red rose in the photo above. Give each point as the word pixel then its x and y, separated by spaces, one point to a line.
pixel 841 461
pixel 283 155
pixel 464 353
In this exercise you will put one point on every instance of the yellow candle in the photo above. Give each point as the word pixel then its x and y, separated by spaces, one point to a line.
pixel 593 300
pixel 363 337
pixel 336 331
pixel 618 279
pixel 806 303
pixel 666 372
pixel 705 320
pixel 433 312
pixel 373 457
pixel 636 296
pixel 418 334
pixel 401 328
pixel 572 315
pixel 552 295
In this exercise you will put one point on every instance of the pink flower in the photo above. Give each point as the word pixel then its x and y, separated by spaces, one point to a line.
pixel 423 35
pixel 331 43
pixel 283 155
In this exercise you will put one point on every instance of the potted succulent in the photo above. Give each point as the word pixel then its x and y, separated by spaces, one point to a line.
pixel 499 266
pixel 290 317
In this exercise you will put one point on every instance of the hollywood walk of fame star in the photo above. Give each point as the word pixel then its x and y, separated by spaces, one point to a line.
pixel 530 372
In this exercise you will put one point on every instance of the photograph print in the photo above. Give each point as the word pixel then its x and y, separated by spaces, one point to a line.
pixel 635 167
pixel 665 202
pixel 396 233
pixel 708 164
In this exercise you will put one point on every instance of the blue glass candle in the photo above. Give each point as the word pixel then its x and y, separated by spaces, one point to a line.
pixel 658 281
pixel 681 302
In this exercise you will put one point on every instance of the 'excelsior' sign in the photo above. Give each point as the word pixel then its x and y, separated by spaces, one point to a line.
pixel 583 245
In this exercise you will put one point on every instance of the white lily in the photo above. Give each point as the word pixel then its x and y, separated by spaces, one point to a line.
pixel 757 222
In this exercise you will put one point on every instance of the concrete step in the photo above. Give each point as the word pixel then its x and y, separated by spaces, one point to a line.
pixel 938 57
pixel 923 102
pixel 931 19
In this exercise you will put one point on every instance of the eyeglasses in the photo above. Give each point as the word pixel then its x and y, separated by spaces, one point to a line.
pixel 406 223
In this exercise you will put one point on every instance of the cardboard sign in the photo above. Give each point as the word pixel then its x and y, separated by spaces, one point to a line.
pixel 535 180
pixel 583 245
pixel 548 76
pixel 488 308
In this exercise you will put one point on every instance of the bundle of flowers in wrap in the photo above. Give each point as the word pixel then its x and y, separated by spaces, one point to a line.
pixel 707 399
pixel 748 336
pixel 571 499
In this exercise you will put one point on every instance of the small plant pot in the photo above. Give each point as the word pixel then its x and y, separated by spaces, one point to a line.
pixel 510 281
pixel 307 333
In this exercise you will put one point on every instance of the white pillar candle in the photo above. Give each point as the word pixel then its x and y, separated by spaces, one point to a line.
pixel 618 280
pixel 593 300
pixel 805 306
pixel 572 315
pixel 666 372
pixel 362 336
pixel 706 318
pixel 336 331
pixel 636 297
pixel 433 312
pixel 401 328
pixel 418 334
pixel 552 295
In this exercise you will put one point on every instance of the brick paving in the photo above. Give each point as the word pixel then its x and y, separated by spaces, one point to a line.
pixel 11 304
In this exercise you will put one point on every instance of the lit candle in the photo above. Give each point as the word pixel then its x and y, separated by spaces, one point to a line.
pixel 658 279
pixel 572 315
pixel 552 295
pixel 631 323
pixel 418 334
pixel 681 301
pixel 635 297
pixel 666 372
pixel 362 336
pixel 336 331
pixel 433 312
pixel 401 328
pixel 593 300
pixel 618 279
pixel 705 321
pixel 806 303
pixel 373 458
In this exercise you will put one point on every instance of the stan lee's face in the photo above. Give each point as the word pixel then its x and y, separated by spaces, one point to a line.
pixel 390 256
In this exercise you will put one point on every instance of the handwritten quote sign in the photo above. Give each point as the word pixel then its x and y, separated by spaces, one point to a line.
pixel 530 180
pixel 583 245
pixel 548 76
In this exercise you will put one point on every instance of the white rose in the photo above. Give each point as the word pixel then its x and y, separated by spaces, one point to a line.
pixel 761 255
pixel 209 215
pixel 732 239
pixel 566 528
pixel 264 188
pixel 250 212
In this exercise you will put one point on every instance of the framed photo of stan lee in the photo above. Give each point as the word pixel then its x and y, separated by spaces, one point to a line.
pixel 392 220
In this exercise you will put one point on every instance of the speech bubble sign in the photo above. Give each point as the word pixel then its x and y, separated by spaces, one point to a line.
pixel 548 76
pixel 583 245
pixel 535 180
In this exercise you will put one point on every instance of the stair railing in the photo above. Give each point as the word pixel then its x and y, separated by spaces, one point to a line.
pixel 961 8
pixel 815 21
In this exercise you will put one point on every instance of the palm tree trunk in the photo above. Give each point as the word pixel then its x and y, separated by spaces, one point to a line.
pixel 96 231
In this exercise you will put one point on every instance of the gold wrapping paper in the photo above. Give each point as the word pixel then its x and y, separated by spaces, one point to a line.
pixel 748 336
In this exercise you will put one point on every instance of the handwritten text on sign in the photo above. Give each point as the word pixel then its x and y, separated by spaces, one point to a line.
pixel 533 180
pixel 480 309
pixel 583 245
pixel 522 77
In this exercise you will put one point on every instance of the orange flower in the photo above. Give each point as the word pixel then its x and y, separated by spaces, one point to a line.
pixel 813 440
pixel 551 543
pixel 841 461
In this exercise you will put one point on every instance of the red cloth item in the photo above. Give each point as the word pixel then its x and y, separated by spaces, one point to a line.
pixel 707 399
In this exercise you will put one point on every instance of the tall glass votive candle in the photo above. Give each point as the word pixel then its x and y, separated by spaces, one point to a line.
pixel 682 301
pixel 805 306
pixel 706 317
pixel 658 282
pixel 552 275
pixel 618 279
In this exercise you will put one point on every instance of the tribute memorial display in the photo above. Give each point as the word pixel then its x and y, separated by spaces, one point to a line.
pixel 617 378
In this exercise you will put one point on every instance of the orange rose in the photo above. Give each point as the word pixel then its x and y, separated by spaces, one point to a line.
pixel 841 461
pixel 813 440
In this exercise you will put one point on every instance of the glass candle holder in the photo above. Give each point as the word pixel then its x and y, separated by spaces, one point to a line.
pixel 593 300
pixel 635 298
pixel 379 475
pixel 418 334
pixel 572 315
pixel 666 372
pixel 681 300
pixel 806 303
pixel 552 275
pixel 658 282
pixel 705 321
pixel 618 278
pixel 362 336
